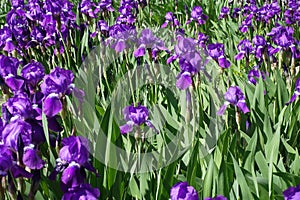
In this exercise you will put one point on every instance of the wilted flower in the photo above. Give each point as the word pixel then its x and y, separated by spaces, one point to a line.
pixel 236 97
pixel 182 191
pixel 296 93
pixel 292 193
pixel 135 116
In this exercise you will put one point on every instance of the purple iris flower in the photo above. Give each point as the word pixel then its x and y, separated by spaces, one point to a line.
pixel 245 49
pixel 6 42
pixel 202 40
pixel 246 24
pixel 148 40
pixel 84 191
pixel 75 148
pixel 236 97
pixel 219 197
pixel 121 36
pixel 7 163
pixel 236 12
pixel 283 38
pixel 292 193
pixel 33 73
pixel 18 106
pixel 72 176
pixel 189 60
pixel 102 27
pixel 106 5
pixel 73 159
pixel 5 160
pixel 255 74
pixel 31 158
pixel 87 8
pixel 182 191
pixel 260 46
pixel 8 66
pixel 15 131
pixel 197 16
pixel 224 12
pixel 296 93
pixel 55 85
pixel 216 51
pixel 267 12
pixel 135 116
pixel 170 18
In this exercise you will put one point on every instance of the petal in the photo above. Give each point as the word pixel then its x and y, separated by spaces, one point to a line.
pixel 139 52
pixel 184 81
pixel 222 109
pixel 14 83
pixel 126 128
pixel 293 98
pixel 240 55
pixel 18 171
pixel 164 25
pixel 52 105
pixel 72 177
pixel 31 159
pixel 120 46
pixel 243 106
pixel 223 62
pixel 150 125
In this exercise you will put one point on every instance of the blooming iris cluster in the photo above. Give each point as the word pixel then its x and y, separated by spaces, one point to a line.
pixel 37 23
pixel 283 38
pixel 135 117
pixel 292 14
pixel 268 12
pixel 32 93
pixel 189 60
pixel 72 162
pixel 236 97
